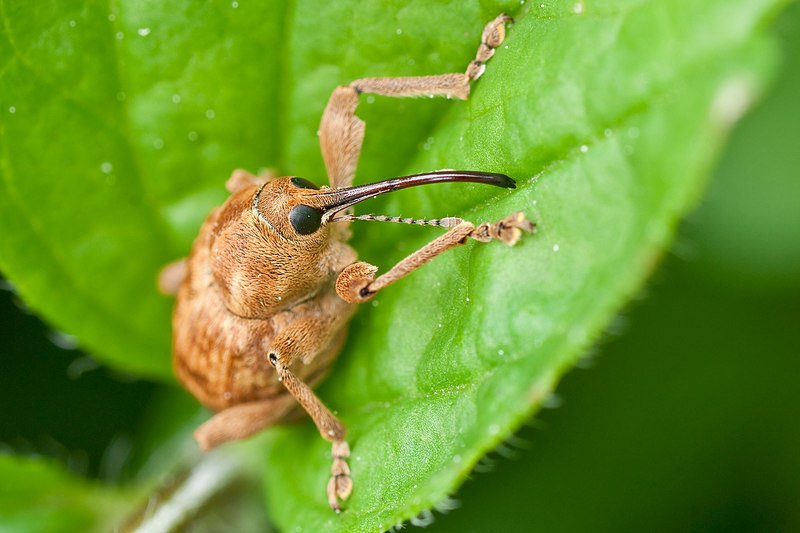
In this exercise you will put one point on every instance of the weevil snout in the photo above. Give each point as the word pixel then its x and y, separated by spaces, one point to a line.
pixel 296 207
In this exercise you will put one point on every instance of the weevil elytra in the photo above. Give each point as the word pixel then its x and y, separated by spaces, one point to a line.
pixel 264 298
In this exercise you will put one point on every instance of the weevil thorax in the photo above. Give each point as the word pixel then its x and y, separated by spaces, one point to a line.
pixel 269 249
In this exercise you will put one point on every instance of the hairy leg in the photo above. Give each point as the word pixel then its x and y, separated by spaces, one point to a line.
pixel 242 421
pixel 341 132
pixel 357 282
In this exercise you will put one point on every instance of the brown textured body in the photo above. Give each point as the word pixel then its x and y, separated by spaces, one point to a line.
pixel 264 299
pixel 220 356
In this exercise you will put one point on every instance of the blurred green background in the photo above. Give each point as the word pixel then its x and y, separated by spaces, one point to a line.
pixel 686 417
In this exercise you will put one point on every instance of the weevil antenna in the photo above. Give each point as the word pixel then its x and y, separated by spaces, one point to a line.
pixel 447 222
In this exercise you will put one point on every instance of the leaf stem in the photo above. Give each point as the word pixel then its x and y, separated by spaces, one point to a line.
pixel 212 475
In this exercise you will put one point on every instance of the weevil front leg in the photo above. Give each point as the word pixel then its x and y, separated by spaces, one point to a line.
pixel 341 132
pixel 357 283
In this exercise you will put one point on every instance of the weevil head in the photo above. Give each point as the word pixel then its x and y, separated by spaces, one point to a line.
pixel 286 206
pixel 272 246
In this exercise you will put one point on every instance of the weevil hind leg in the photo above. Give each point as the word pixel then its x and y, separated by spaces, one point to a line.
pixel 242 420
pixel 341 132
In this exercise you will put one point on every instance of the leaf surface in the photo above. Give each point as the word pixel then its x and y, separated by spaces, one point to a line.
pixel 609 119
pixel 119 126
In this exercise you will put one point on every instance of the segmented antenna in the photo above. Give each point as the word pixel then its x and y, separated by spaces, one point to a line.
pixel 447 222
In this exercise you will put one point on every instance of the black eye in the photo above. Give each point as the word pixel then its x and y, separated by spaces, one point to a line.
pixel 303 183
pixel 305 220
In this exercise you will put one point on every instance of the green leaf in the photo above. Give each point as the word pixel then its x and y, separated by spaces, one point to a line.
pixel 39 496
pixel 609 119
pixel 118 128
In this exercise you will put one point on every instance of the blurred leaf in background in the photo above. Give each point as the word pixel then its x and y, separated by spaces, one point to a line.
pixel 144 150
pixel 41 496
